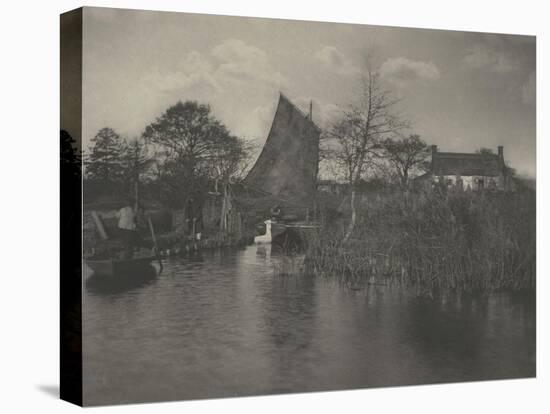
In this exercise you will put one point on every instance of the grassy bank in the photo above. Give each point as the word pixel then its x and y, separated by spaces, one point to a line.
pixel 434 242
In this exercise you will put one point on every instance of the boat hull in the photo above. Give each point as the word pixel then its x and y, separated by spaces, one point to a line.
pixel 117 268
pixel 294 236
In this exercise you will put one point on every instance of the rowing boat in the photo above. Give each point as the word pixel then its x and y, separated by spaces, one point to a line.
pixel 120 267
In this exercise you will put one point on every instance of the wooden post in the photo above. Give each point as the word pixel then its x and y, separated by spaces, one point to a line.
pixel 154 237
pixel 223 225
pixel 99 225
pixel 136 195
pixel 315 212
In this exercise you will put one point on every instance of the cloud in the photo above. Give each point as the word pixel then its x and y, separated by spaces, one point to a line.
pixel 241 61
pixel 256 125
pixel 192 70
pixel 402 70
pixel 483 56
pixel 230 64
pixel 336 61
pixel 324 113
pixel 528 90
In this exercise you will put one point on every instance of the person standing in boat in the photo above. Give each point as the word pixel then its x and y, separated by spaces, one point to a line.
pixel 275 212
pixel 127 226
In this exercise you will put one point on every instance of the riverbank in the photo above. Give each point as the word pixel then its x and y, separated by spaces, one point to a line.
pixel 172 234
pixel 434 242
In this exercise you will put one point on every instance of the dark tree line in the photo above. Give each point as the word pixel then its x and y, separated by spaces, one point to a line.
pixel 184 152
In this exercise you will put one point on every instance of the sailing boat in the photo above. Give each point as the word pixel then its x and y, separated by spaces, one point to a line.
pixel 289 162
pixel 287 167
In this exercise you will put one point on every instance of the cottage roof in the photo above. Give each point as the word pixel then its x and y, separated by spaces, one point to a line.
pixel 464 164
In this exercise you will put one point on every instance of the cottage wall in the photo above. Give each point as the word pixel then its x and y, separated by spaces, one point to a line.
pixel 472 182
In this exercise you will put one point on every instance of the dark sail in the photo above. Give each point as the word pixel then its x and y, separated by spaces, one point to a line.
pixel 289 161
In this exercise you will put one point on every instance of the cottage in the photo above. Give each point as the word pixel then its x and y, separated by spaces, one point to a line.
pixel 469 171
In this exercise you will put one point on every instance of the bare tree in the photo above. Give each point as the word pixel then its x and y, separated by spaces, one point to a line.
pixel 136 160
pixel 354 140
pixel 227 158
pixel 250 154
pixel 405 155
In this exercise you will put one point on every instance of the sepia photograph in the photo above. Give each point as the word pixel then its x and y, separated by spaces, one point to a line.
pixel 274 206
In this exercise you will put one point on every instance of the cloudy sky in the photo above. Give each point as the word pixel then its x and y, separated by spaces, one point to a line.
pixel 460 90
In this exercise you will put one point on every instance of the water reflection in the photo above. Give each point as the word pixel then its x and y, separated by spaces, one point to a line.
pixel 289 312
pixel 108 285
pixel 226 323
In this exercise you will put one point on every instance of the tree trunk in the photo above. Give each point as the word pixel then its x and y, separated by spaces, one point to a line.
pixel 136 194
pixel 223 223
pixel 351 225
pixel 405 179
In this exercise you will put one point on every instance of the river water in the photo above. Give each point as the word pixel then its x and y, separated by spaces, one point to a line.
pixel 226 323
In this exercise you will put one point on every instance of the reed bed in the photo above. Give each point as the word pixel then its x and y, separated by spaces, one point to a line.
pixel 433 241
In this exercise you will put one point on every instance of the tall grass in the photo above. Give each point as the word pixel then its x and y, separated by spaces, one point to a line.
pixel 435 242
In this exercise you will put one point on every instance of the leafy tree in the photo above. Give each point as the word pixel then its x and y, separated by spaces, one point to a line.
pixel 184 133
pixel 103 161
pixel 405 155
pixel 192 148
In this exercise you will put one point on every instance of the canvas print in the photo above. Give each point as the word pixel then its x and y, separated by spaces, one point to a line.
pixel 267 206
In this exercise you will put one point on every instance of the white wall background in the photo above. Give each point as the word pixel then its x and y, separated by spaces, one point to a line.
pixel 29 101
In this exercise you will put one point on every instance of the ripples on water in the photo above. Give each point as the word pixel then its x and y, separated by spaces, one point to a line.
pixel 223 324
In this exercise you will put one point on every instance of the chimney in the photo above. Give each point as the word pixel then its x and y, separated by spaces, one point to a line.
pixel 311 110
pixel 501 151
pixel 434 151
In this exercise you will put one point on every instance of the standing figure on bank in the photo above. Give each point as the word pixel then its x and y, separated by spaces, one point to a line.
pixel 194 218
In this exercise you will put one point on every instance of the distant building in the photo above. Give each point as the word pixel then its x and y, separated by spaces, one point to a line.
pixel 469 171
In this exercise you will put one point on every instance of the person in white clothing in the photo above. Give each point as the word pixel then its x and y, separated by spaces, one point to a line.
pixel 126 218
pixel 127 227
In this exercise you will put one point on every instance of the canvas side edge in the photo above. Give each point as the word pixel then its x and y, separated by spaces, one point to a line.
pixel 71 207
